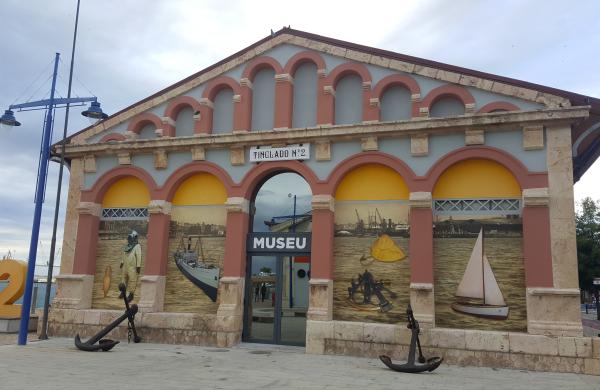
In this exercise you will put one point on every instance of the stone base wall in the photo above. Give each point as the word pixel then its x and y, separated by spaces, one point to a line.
pixel 460 347
pixel 167 328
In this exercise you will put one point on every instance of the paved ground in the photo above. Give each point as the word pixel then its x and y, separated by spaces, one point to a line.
pixel 57 364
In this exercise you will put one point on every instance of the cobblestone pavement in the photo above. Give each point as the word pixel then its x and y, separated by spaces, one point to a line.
pixel 57 364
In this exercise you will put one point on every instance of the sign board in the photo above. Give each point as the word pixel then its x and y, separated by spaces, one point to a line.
pixel 278 242
pixel 289 152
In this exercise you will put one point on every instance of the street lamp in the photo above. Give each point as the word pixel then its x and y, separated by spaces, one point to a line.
pixel 9 120
pixel 291 268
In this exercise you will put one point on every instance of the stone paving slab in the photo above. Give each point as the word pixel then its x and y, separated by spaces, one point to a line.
pixel 57 364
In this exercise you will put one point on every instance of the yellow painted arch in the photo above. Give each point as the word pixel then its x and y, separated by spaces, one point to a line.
pixel 476 178
pixel 127 192
pixel 200 189
pixel 372 182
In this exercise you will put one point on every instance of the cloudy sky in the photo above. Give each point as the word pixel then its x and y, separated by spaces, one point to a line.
pixel 129 49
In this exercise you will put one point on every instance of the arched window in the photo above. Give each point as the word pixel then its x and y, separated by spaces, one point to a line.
pixel 348 100
pixel 223 112
pixel 395 104
pixel 184 125
pixel 263 99
pixel 148 131
pixel 305 96
pixel 447 106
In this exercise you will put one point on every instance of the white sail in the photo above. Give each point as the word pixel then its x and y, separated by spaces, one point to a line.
pixel 471 285
pixel 493 295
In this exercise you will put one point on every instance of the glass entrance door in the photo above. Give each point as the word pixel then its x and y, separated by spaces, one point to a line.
pixel 276 299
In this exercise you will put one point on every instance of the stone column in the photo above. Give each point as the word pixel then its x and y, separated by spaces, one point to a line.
pixel 421 258
pixel 75 291
pixel 152 289
pixel 284 91
pixel 553 309
pixel 231 285
pixel 320 305
pixel 76 177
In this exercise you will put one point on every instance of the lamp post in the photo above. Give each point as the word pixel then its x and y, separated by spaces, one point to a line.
pixel 291 258
pixel 8 119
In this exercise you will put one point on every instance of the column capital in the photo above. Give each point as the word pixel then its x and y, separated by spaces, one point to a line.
pixel 167 121
pixel 283 78
pixel 207 102
pixel 536 197
pixel 420 200
pixel 89 208
pixel 245 82
pixel 323 202
pixel 237 205
pixel 159 206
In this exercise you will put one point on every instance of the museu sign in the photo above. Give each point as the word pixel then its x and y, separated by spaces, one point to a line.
pixel 289 152
pixel 278 242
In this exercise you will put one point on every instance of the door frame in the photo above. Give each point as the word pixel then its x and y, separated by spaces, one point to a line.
pixel 277 310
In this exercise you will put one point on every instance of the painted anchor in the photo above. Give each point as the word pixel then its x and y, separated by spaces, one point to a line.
pixel 107 344
pixel 410 366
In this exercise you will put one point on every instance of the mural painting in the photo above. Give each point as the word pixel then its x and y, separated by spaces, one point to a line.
pixel 122 243
pixel 372 266
pixel 196 246
pixel 478 246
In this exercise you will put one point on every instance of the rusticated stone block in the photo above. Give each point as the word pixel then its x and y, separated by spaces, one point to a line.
pixel 419 145
pixel 237 156
pixel 486 341
pixel 533 344
pixel 89 164
pixel 592 366
pixel 346 330
pixel 533 137
pixel 198 153
pixel 379 333
pixel 369 144
pixel 474 137
pixel 161 160
pixel 323 151
pixel 447 338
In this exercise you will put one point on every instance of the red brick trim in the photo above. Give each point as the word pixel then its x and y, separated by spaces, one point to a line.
pixel 436 94
pixel 260 63
pixel 167 191
pixel 303 57
pixel 137 123
pixel 525 178
pixel 96 193
pixel 179 103
pixel 113 137
pixel 261 172
pixel 498 106
pixel 219 83
pixel 348 68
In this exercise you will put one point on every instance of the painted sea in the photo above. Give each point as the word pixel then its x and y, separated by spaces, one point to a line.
pixel 395 276
pixel 451 256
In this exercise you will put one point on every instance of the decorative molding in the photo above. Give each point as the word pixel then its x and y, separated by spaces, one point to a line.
pixel 245 82
pixel 131 136
pixel 237 205
pixel 421 286
pixel 366 85
pixel 374 102
pixel 320 282
pixel 168 121
pixel 322 73
pixel 124 213
pixel 469 108
pixel 207 102
pixel 419 144
pixel 575 292
pixel 329 90
pixel 420 200
pixel 536 197
pixel 533 137
pixel 198 153
pixel 369 144
pixel 159 133
pixel 323 151
pixel 474 137
pixel 124 158
pixel 424 112
pixel 89 163
pixel 502 206
pixel 284 78
pixel 415 97
pixel 158 206
pixel 237 155
pixel 89 208
pixel 323 202
pixel 237 98
pixel 161 159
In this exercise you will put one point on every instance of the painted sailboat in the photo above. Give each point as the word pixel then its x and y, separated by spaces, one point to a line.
pixel 478 292
pixel 204 276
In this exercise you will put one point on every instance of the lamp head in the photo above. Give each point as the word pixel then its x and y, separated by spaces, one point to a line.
pixel 8 119
pixel 94 113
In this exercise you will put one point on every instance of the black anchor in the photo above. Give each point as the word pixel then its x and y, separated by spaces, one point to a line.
pixel 107 344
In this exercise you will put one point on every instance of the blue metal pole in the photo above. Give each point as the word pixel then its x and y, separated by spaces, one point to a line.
pixel 39 199
pixel 291 257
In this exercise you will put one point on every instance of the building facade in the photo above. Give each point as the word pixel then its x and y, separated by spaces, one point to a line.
pixel 433 185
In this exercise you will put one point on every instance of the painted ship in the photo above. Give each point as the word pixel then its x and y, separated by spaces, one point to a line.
pixel 478 293
pixel 190 260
